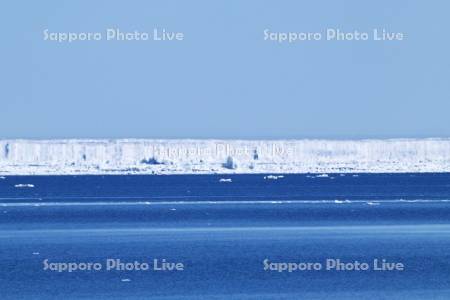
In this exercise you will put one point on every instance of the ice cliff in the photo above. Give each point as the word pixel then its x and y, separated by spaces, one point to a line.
pixel 140 156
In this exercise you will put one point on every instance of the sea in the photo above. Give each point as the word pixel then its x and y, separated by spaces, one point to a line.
pixel 258 236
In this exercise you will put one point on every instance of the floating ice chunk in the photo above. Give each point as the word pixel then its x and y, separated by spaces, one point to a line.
pixel 36 253
pixel 125 279
pixel 225 180
pixel 322 175
pixel 2 177
pixel 373 203
pixel 273 177
pixel 24 185
pixel 342 201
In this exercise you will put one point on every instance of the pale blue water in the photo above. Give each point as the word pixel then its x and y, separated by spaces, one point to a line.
pixel 222 232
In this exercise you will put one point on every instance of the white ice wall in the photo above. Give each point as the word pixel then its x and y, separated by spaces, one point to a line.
pixel 222 156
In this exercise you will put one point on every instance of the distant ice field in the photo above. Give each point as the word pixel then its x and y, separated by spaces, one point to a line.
pixel 141 156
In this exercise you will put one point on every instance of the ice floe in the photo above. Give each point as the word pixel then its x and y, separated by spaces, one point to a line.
pixel 342 201
pixel 24 185
pixel 225 180
pixel 322 176
pixel 273 177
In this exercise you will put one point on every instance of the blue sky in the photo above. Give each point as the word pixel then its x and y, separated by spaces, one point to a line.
pixel 223 80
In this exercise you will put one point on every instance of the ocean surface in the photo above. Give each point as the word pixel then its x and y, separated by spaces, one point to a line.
pixel 225 236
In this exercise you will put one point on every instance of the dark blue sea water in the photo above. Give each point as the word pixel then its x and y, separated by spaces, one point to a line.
pixel 222 233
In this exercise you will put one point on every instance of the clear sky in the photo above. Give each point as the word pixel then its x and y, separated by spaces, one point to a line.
pixel 224 80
